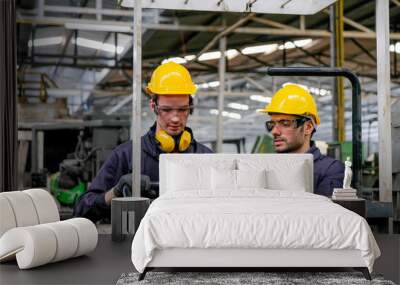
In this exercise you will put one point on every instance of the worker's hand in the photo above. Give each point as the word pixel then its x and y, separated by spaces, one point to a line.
pixel 124 186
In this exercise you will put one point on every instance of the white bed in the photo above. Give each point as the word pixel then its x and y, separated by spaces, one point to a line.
pixel 224 210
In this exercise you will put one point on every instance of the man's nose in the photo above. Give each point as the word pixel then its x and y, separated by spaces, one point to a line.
pixel 175 117
pixel 275 131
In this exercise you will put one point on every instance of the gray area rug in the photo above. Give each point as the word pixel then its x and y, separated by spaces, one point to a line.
pixel 228 278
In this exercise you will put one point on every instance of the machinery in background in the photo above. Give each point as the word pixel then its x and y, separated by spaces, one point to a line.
pixel 65 156
pixel 341 151
pixel 263 144
pixel 75 173
pixel 235 145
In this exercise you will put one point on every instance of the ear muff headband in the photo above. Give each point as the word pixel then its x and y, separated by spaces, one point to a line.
pixel 167 142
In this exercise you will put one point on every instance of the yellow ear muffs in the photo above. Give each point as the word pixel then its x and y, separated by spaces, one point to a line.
pixel 185 140
pixel 167 142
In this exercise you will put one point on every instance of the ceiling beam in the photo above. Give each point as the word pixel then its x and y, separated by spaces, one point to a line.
pixel 120 25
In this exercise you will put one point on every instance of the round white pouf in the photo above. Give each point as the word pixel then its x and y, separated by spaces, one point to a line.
pixel 33 246
pixel 67 240
pixel 87 235
pixel 23 208
pixel 40 244
pixel 45 205
pixel 7 218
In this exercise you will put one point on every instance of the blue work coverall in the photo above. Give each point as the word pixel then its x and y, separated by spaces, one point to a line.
pixel 328 172
pixel 92 205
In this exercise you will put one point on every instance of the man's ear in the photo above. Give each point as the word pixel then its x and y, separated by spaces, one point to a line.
pixel 308 128
pixel 152 105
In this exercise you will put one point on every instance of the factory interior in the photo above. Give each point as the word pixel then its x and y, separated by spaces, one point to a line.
pixel 92 192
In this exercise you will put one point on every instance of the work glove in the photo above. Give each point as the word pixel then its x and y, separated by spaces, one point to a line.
pixel 124 186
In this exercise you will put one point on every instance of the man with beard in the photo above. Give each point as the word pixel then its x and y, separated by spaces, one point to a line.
pixel 293 122
pixel 171 89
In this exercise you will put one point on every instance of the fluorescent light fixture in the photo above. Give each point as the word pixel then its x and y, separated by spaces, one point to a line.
pixel 189 57
pixel 46 41
pixel 206 85
pixel 87 43
pixel 260 98
pixel 179 60
pixel 266 49
pixel 226 114
pixel 210 55
pixel 238 106
pixel 320 91
pixel 214 112
pixel 203 85
pixel 101 28
pixel 213 83
pixel 395 47
pixel 298 43
pixel 231 53
pixel 303 43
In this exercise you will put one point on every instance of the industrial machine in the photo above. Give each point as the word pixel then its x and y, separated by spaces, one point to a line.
pixel 74 153
pixel 71 181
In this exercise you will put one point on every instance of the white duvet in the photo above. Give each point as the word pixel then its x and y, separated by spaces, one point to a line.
pixel 250 219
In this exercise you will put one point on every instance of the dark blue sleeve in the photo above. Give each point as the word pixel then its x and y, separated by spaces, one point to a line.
pixel 91 204
pixel 200 148
pixel 333 178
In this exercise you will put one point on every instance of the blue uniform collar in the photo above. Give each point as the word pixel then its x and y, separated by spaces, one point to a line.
pixel 314 150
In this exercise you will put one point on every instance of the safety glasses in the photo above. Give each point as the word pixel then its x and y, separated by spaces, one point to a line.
pixel 285 124
pixel 167 111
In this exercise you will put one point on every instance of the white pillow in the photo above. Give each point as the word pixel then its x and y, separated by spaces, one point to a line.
pixel 183 177
pixel 277 179
pixel 223 179
pixel 251 178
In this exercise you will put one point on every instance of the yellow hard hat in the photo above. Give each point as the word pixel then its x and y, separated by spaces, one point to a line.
pixel 171 79
pixel 293 99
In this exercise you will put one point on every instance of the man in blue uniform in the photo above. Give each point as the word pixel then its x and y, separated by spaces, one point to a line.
pixel 170 88
pixel 293 121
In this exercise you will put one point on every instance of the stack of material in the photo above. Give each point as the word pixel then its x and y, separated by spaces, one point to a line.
pixel 344 194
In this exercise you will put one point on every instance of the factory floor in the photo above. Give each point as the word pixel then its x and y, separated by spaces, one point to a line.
pixel 389 262
pixel 111 259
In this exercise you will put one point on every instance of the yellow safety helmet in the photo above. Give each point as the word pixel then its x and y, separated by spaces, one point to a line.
pixel 171 79
pixel 293 99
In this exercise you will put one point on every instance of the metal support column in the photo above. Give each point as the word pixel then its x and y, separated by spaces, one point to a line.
pixel 99 7
pixel 221 70
pixel 333 64
pixel 339 61
pixel 136 97
pixel 383 88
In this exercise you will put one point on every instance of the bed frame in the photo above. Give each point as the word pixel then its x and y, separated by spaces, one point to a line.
pixel 242 259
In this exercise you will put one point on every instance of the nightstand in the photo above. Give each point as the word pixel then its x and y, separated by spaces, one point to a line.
pixel 356 205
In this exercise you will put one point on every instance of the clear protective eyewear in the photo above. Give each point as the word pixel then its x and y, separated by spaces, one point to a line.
pixel 167 111
pixel 285 124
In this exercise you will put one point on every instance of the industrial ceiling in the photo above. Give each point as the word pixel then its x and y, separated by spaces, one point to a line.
pixel 84 49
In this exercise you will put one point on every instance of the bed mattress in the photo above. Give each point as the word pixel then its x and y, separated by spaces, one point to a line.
pixel 250 219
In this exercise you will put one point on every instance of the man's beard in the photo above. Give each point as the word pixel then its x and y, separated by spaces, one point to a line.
pixel 289 147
